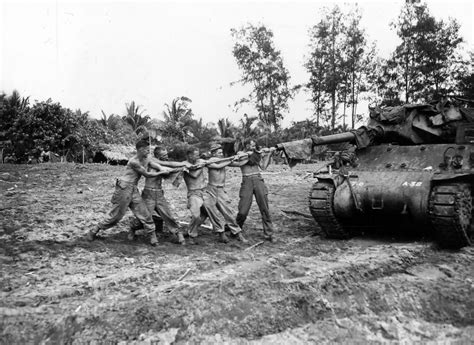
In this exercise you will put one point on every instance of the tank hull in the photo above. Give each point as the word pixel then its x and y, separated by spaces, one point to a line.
pixel 368 193
pixel 428 186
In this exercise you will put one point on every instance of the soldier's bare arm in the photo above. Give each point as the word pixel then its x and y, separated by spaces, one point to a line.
pixel 163 169
pixel 173 164
pixel 241 159
pixel 196 169
pixel 265 162
pixel 219 163
pixel 142 171
pixel 195 173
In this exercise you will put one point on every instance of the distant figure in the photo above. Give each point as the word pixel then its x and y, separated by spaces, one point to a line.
pixel 253 184
pixel 216 183
pixel 45 156
pixel 201 203
pixel 126 195
pixel 9 159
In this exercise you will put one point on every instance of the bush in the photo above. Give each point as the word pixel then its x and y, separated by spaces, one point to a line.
pixel 44 127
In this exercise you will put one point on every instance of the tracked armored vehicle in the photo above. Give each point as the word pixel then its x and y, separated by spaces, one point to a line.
pixel 411 166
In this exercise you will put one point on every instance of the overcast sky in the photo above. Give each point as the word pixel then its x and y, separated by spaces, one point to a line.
pixel 100 55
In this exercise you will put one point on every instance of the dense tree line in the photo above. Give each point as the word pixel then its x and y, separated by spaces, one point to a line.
pixel 46 126
pixel 343 67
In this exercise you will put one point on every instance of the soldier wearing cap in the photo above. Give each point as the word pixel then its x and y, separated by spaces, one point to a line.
pixel 216 181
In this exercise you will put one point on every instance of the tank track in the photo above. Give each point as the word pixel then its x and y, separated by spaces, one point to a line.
pixel 321 207
pixel 450 210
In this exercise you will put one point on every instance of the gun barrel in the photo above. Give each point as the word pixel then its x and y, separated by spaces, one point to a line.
pixel 333 138
pixel 317 141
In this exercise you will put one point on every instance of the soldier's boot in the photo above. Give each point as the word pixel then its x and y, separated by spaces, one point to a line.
pixel 193 240
pixel 223 238
pixel 92 234
pixel 131 234
pixel 158 224
pixel 153 239
pixel 241 238
pixel 181 239
pixel 270 238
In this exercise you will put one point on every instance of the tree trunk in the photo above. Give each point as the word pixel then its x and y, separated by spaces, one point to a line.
pixel 333 110
pixel 264 117
pixel 344 110
pixel 317 110
pixel 333 77
pixel 272 112
pixel 353 98
pixel 407 65
pixel 355 110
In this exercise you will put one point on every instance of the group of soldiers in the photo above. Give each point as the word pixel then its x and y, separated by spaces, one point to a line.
pixel 205 200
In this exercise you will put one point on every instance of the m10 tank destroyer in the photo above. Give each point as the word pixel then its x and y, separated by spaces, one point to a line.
pixel 412 165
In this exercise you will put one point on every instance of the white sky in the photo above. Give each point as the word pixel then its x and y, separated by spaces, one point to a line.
pixel 100 55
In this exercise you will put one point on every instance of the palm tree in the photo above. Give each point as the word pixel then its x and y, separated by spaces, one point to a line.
pixel 246 130
pixel 105 120
pixel 10 109
pixel 135 119
pixel 224 127
pixel 112 122
pixel 178 119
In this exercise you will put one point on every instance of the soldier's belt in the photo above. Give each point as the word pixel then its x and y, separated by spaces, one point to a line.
pixel 154 189
pixel 252 175
pixel 215 185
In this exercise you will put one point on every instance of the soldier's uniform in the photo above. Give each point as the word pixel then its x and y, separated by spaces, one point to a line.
pixel 202 204
pixel 222 203
pixel 253 184
pixel 125 196
pixel 155 201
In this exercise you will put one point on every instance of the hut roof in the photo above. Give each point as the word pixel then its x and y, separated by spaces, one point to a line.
pixel 115 152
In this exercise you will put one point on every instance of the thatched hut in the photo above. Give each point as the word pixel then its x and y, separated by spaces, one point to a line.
pixel 114 154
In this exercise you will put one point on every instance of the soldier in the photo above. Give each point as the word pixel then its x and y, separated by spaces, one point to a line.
pixel 201 203
pixel 155 200
pixel 216 182
pixel 253 184
pixel 126 195
pixel 161 157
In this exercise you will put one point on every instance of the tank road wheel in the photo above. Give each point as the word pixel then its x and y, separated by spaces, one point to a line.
pixel 321 207
pixel 450 208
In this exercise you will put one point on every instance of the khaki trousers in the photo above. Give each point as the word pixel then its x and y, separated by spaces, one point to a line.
pixel 126 196
pixel 223 206
pixel 254 185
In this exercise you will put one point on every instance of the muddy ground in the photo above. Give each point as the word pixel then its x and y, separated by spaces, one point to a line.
pixel 58 288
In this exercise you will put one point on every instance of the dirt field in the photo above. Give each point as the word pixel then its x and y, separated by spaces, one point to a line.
pixel 58 288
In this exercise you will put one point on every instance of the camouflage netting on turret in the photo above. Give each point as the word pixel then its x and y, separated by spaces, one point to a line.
pixel 427 123
pixel 298 151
